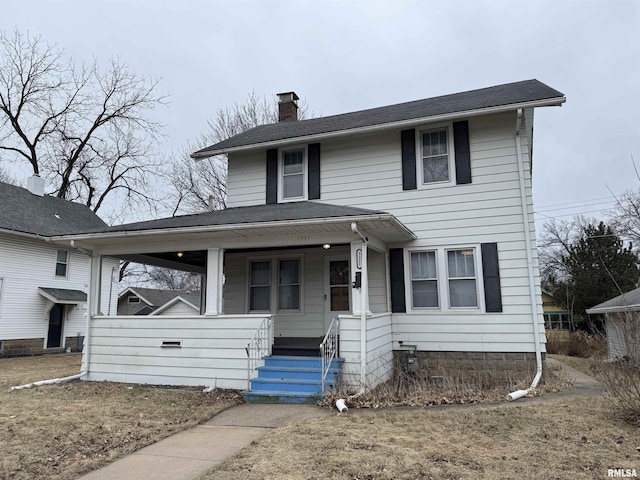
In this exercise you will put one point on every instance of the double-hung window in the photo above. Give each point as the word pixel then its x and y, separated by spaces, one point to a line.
pixel 445 279
pixel 260 286
pixel 289 284
pixel 434 147
pixel 424 280
pixel 293 174
pixel 461 271
pixel 62 263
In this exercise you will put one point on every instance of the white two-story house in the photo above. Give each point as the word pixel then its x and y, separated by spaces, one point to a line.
pixel 43 285
pixel 407 226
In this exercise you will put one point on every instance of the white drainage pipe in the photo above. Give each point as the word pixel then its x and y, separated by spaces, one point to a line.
pixel 52 381
pixel 528 245
pixel 341 405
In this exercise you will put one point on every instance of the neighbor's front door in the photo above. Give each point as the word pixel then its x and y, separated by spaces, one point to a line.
pixel 337 296
pixel 54 337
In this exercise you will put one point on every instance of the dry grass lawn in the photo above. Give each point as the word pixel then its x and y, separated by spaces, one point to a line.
pixel 62 431
pixel 579 363
pixel 577 440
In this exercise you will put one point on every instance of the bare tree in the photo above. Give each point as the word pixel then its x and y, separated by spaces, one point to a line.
pixel 84 129
pixel 201 185
pixel 5 177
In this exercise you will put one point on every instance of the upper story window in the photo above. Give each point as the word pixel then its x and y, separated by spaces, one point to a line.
pixel 62 263
pixel 436 158
pixel 293 174
pixel 133 299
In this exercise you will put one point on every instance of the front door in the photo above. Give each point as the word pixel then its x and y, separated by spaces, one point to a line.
pixel 54 337
pixel 337 296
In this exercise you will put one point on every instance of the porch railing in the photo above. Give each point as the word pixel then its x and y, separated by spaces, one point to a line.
pixel 259 347
pixel 329 349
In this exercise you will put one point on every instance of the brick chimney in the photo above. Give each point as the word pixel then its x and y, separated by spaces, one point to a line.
pixel 287 107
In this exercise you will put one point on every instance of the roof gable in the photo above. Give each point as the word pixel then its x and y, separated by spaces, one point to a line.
pixel 46 216
pixel 497 96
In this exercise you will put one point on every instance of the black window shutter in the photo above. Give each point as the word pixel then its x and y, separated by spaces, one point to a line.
pixel 491 270
pixel 463 155
pixel 272 175
pixel 313 163
pixel 396 277
pixel 408 141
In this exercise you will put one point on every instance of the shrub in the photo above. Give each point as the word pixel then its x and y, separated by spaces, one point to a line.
pixel 576 344
pixel 622 381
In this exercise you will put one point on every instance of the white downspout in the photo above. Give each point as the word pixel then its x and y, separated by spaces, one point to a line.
pixel 532 291
pixel 364 290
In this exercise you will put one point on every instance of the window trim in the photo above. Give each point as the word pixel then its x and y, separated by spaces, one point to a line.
pixel 451 154
pixel 443 280
pixel 274 285
pixel 305 173
pixel 133 299
pixel 66 264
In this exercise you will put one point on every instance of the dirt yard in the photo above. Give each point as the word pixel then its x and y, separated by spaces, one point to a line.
pixel 577 440
pixel 62 431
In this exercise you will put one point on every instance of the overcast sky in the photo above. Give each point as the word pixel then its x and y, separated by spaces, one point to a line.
pixel 352 55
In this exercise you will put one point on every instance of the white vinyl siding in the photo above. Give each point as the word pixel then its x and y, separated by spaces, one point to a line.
pixel 1 285
pixel 365 171
pixel 25 265
pixel 211 353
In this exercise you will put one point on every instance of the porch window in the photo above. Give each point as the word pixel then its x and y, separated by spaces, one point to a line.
pixel 289 284
pixel 462 278
pixel 424 280
pixel 62 262
pixel 260 285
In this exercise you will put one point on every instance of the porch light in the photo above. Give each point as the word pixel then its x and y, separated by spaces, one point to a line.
pixel 326 246
pixel 180 254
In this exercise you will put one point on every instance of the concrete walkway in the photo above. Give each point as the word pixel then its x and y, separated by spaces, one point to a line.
pixel 189 454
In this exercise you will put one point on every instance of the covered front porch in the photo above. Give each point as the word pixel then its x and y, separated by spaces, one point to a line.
pixel 298 275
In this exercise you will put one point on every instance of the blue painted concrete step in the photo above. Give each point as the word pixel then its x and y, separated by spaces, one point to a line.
pixel 291 379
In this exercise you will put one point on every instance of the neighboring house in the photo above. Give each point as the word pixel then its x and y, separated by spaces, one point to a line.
pixel 43 284
pixel 622 323
pixel 556 316
pixel 153 301
pixel 411 223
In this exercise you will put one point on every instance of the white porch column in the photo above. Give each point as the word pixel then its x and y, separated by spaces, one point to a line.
pixel 95 285
pixel 215 261
pixel 359 296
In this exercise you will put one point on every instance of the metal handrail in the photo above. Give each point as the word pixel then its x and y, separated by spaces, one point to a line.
pixel 259 347
pixel 329 349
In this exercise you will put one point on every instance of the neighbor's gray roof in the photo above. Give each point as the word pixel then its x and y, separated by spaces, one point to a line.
pixel 21 211
pixel 500 95
pixel 629 300
pixel 159 297
pixel 64 295
pixel 240 215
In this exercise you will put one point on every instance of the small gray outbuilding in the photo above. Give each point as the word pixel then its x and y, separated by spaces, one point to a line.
pixel 622 321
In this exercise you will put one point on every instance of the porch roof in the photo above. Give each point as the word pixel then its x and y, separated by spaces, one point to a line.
pixel 294 218
pixel 63 295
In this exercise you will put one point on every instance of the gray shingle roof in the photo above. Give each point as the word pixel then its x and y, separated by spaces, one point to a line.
pixel 65 295
pixel 21 211
pixel 159 297
pixel 500 95
pixel 240 215
pixel 626 300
